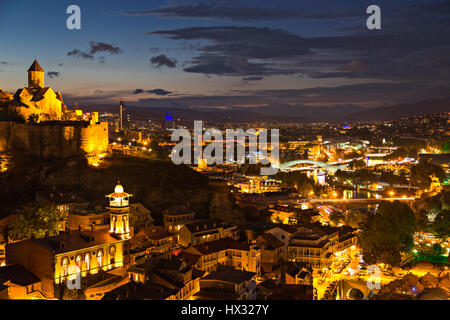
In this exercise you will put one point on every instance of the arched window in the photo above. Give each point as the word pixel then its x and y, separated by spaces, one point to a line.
pixel 65 267
pixel 99 258
pixel 78 262
pixel 112 256
pixel 86 262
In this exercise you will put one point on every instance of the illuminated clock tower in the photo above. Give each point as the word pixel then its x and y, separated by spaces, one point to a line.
pixel 120 213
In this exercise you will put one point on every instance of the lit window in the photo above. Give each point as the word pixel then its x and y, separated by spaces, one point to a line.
pixel 86 261
pixel 78 262
pixel 99 258
pixel 65 267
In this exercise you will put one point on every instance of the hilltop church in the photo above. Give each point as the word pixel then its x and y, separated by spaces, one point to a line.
pixel 50 130
pixel 38 100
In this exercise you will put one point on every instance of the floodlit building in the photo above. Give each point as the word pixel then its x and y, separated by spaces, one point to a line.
pixel 120 213
pixel 227 284
pixel 59 258
pixel 174 221
pixel 17 282
pixel 209 256
pixel 38 100
pixel 207 230
pixel 51 130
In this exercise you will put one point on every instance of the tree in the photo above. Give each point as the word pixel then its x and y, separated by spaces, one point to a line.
pixel 445 200
pixel 335 217
pixel 437 249
pixel 10 113
pixel 300 181
pixel 302 218
pixel 387 233
pixel 422 172
pixel 357 164
pixel 353 218
pixel 398 154
pixel 441 225
pixel 35 220
pixel 391 178
pixel 33 118
pixel 157 151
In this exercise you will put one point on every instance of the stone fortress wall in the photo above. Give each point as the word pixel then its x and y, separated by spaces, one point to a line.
pixel 54 139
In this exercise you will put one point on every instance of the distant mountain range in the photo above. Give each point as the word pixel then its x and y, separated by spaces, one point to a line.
pixel 286 113
pixel 402 110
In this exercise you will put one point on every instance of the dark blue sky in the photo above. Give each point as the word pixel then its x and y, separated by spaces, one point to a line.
pixel 230 53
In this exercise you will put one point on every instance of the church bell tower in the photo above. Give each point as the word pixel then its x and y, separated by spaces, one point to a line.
pixel 120 213
pixel 35 75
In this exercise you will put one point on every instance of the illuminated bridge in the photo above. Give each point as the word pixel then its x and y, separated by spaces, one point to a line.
pixel 325 166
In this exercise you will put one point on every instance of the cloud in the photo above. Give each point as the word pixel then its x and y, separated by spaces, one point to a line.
pixel 240 13
pixel 95 47
pixel 253 78
pixel 103 47
pixel 353 66
pixel 53 74
pixel 163 60
pixel 442 7
pixel 80 54
pixel 159 92
pixel 4 63
pixel 245 51
pixel 232 49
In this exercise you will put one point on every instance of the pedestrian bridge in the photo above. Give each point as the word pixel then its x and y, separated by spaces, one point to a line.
pixel 323 165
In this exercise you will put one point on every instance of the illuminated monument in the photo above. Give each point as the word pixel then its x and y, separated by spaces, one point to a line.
pixel 120 213
pixel 37 100
pixel 50 130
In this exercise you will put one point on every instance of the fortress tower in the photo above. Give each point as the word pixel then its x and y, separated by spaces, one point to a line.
pixel 120 213
pixel 36 76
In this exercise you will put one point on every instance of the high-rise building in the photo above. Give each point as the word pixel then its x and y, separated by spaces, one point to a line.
pixel 121 116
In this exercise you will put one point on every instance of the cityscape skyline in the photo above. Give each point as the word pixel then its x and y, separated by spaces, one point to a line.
pixel 230 153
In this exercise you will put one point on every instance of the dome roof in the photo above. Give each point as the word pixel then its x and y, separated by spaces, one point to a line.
pixel 118 192
pixel 118 188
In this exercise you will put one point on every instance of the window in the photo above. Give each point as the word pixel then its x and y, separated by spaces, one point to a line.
pixel 78 262
pixel 65 266
pixel 99 258
pixel 86 261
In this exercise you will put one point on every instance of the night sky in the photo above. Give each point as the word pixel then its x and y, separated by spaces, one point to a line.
pixel 230 53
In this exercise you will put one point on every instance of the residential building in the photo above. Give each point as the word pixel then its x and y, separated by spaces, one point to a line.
pixel 206 230
pixel 174 221
pixel 210 255
pixel 227 284
pixel 19 283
